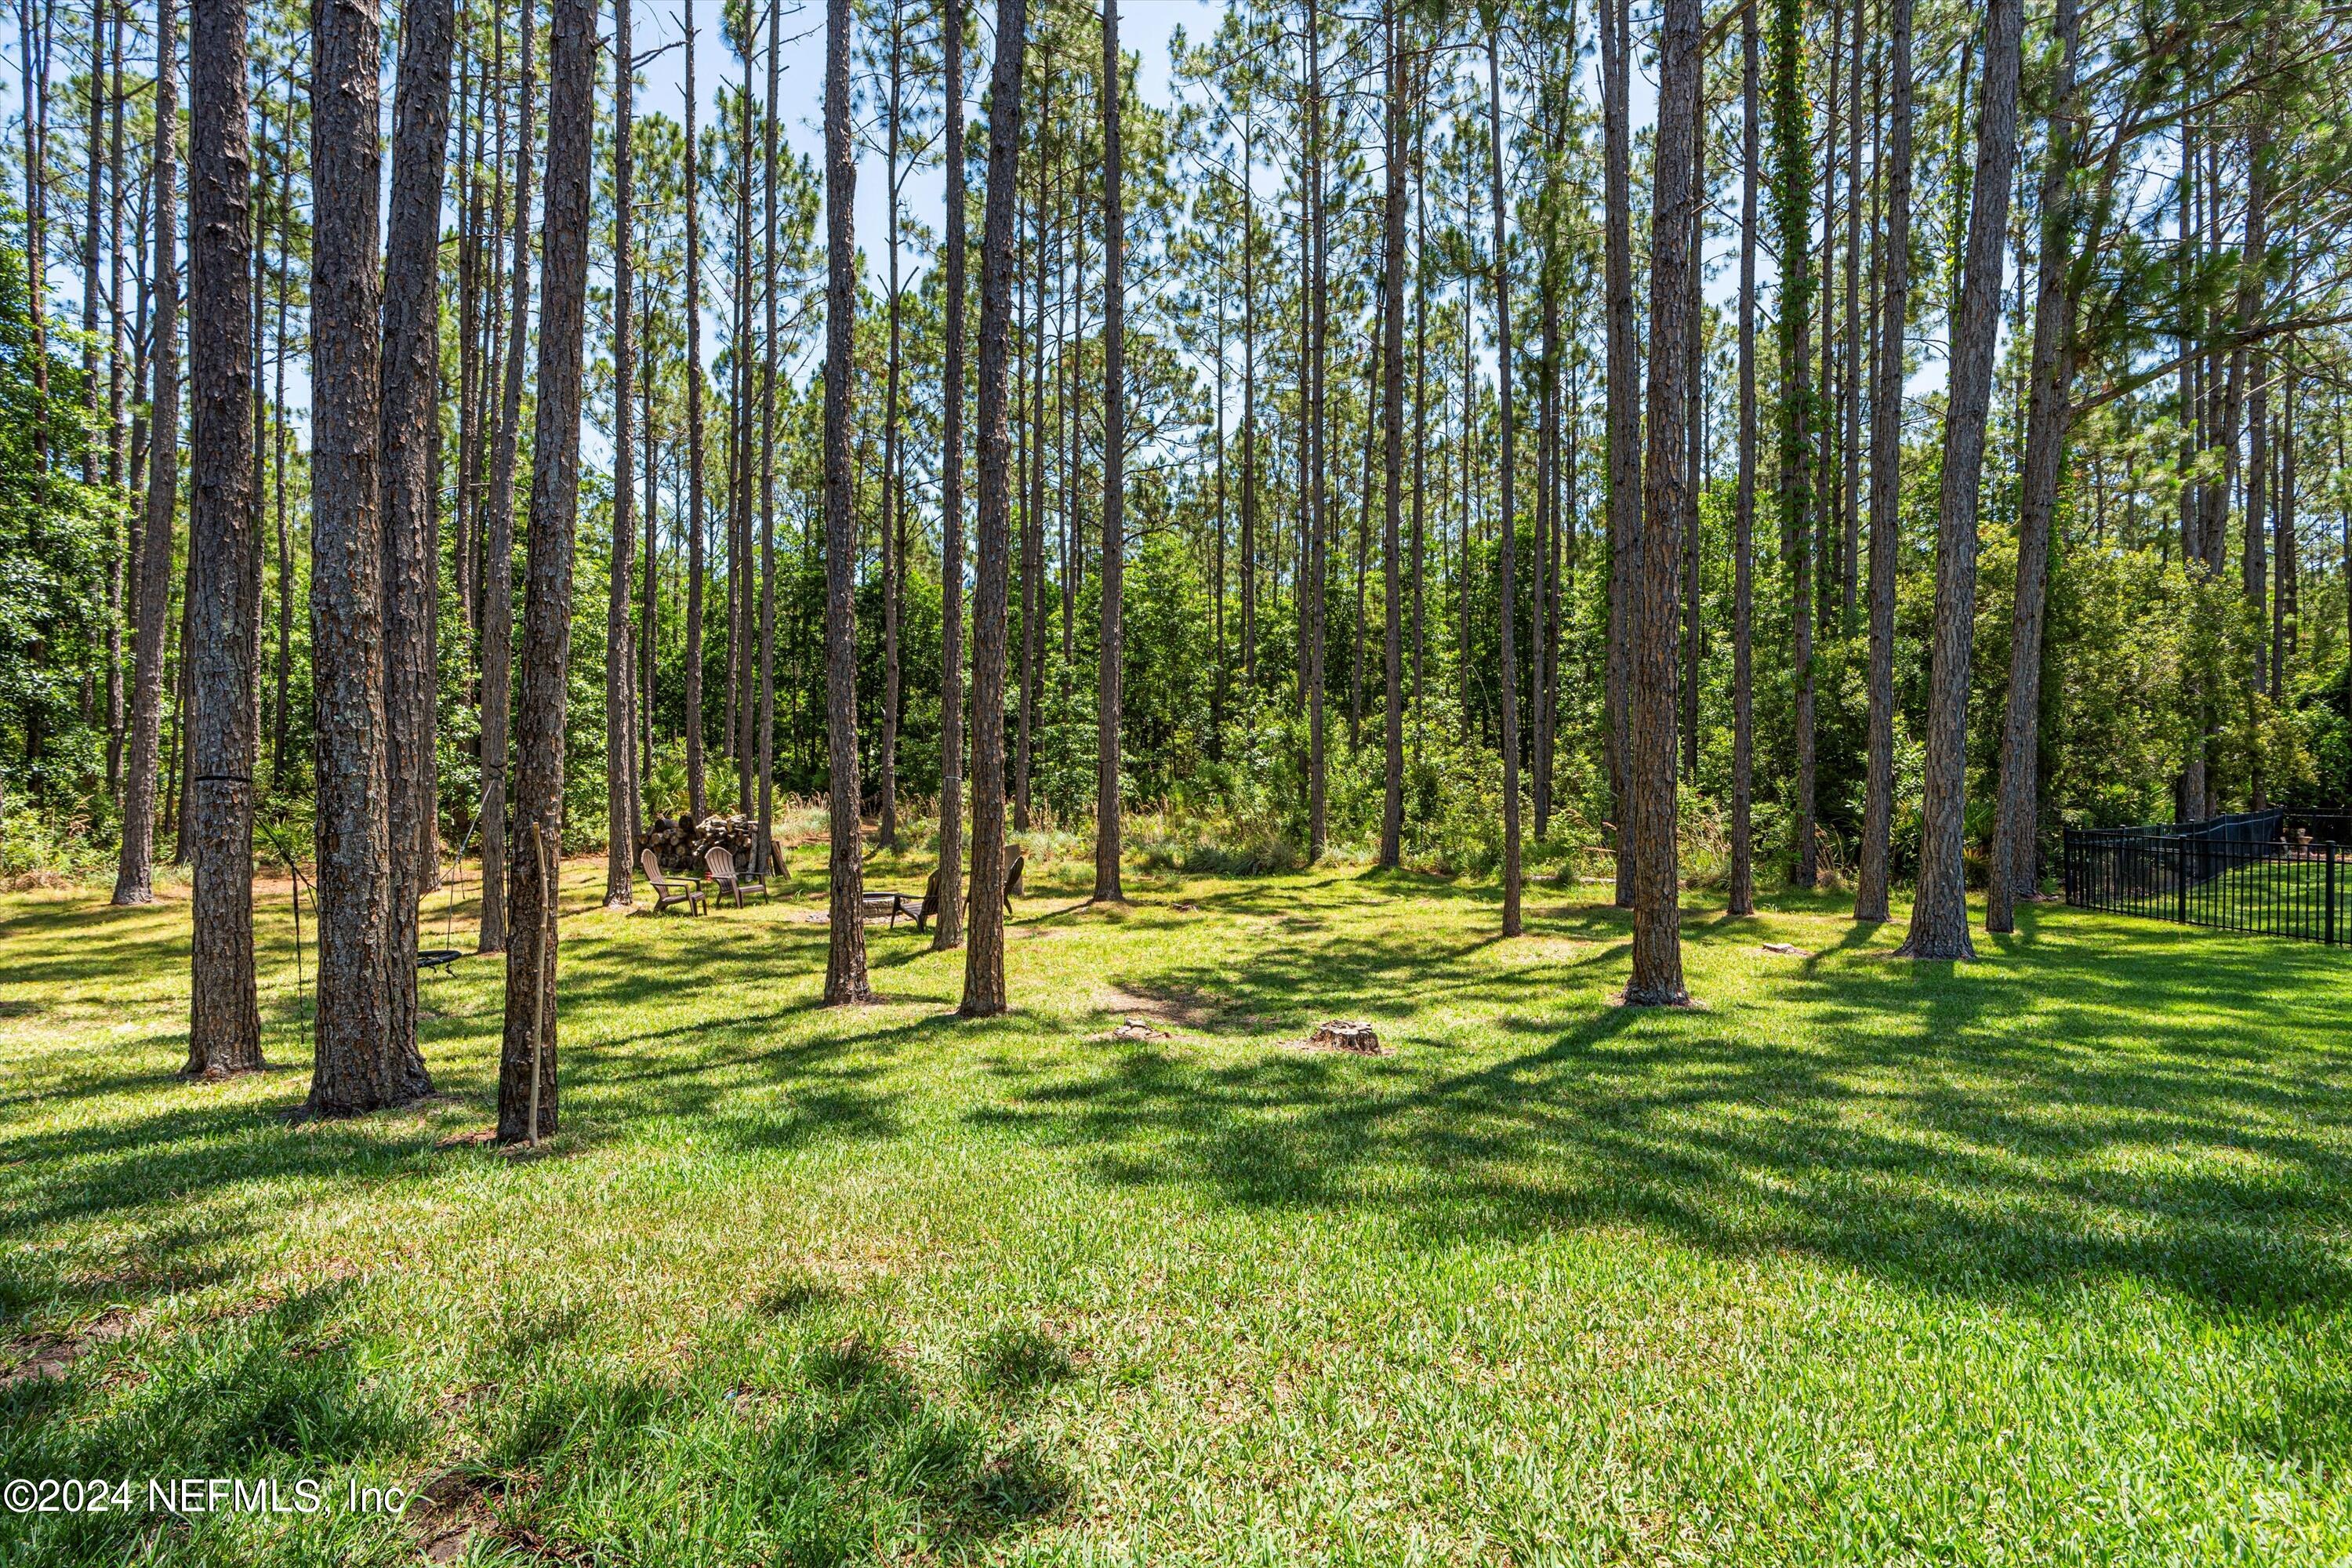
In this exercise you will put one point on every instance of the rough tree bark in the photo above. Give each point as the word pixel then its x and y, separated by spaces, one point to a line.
pixel 1740 897
pixel 1886 475
pixel 1392 447
pixel 949 931
pixel 1670 514
pixel 151 553
pixel 845 968
pixel 223 1023
pixel 893 488
pixel 529 1040
pixel 983 970
pixel 498 538
pixel 1940 911
pixel 620 847
pixel 2047 398
pixel 363 1063
pixel 1506 515
pixel 1624 416
pixel 409 375
pixel 698 801
pixel 1114 478
pixel 1791 201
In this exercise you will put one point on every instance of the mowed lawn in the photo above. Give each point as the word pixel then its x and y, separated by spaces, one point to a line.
pixel 2040 1259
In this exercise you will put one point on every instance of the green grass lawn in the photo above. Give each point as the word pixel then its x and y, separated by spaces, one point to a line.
pixel 2040 1259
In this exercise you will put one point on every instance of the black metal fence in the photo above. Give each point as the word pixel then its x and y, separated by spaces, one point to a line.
pixel 2255 872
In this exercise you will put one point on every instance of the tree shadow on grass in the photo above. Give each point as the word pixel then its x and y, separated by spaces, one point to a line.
pixel 795 1442
pixel 2069 1114
pixel 275 1394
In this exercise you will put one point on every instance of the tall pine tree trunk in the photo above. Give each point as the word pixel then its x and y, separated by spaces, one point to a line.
pixel 152 551
pixel 498 537
pixel 620 845
pixel 1670 514
pixel 363 1064
pixel 527 1060
pixel 696 799
pixel 1393 447
pixel 1624 414
pixel 1507 516
pixel 224 1026
pixel 844 970
pixel 2012 873
pixel 894 548
pixel 1939 912
pixel 1886 476
pixel 1791 203
pixel 950 933
pixel 407 416
pixel 1740 898
pixel 1114 459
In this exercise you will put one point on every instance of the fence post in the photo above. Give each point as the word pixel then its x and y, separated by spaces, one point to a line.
pixel 2331 895
pixel 2180 880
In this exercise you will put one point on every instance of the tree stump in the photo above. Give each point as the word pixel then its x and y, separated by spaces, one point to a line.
pixel 1346 1036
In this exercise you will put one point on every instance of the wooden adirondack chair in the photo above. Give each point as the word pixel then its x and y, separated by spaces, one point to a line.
pixel 730 883
pixel 683 889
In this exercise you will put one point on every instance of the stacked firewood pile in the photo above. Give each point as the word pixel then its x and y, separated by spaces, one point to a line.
pixel 680 842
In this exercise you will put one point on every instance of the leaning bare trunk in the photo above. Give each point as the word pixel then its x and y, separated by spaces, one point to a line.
pixel 409 377
pixel 1940 913
pixel 223 557
pixel 498 569
pixel 363 1064
pixel 1670 514
pixel 983 968
pixel 950 926
pixel 845 969
pixel 529 1039
pixel 1886 482
pixel 152 551
pixel 2052 373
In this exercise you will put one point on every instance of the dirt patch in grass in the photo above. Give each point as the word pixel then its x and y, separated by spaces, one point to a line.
pixel 41 1357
